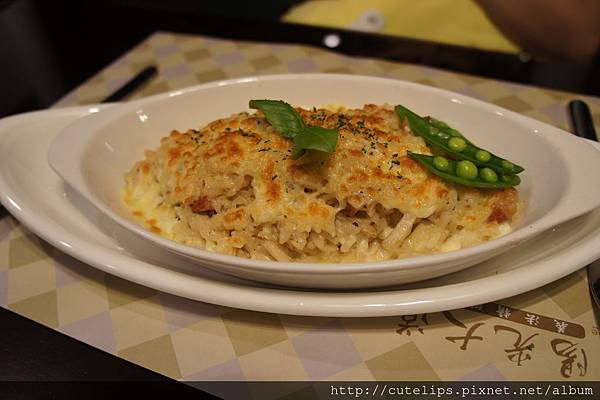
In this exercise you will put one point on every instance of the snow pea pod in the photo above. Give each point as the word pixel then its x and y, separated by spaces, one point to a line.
pixel 463 173
pixel 438 133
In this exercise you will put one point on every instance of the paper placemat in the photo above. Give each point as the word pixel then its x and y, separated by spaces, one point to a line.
pixel 545 334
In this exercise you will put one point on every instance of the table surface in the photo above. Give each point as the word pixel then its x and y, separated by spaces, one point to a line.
pixel 546 334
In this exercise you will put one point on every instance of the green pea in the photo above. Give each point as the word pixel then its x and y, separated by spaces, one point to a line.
pixel 483 156
pixel 457 144
pixel 466 169
pixel 433 131
pixel 513 179
pixel 488 175
pixel 453 132
pixel 443 135
pixel 438 123
pixel 506 164
pixel 441 163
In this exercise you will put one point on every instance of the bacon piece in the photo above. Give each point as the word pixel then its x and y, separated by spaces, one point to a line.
pixel 504 205
pixel 202 204
pixel 350 211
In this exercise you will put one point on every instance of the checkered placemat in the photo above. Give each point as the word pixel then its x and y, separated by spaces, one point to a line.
pixel 546 334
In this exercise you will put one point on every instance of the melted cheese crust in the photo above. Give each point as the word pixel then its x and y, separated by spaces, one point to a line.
pixel 233 187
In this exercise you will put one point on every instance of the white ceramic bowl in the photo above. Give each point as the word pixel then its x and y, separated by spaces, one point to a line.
pixel 560 181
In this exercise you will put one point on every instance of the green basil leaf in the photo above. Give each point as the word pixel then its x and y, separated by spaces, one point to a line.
pixel 288 123
pixel 315 138
pixel 284 119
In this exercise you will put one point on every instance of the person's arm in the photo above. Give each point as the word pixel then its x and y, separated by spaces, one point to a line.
pixel 565 29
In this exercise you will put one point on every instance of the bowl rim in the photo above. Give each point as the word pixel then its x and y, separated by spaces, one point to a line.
pixel 114 112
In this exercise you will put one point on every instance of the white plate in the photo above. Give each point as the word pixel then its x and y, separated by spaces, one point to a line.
pixel 35 195
pixel 94 154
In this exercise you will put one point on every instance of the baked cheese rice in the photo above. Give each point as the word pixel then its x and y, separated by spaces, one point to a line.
pixel 233 187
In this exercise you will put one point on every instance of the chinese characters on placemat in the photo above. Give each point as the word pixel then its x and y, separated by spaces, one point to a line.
pixel 519 330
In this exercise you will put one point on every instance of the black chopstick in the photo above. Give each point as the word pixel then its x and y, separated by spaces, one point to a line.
pixel 132 85
pixel 581 120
